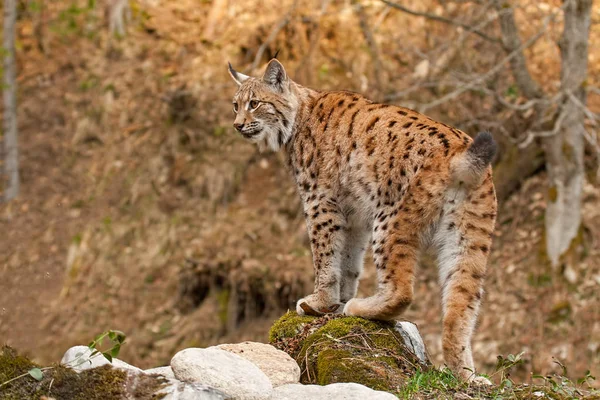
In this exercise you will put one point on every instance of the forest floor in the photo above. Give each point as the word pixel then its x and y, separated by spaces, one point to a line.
pixel 141 210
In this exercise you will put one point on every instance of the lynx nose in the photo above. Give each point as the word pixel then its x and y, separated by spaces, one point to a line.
pixel 239 127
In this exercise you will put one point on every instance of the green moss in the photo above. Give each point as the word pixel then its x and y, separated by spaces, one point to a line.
pixel 379 373
pixel 61 382
pixel 12 364
pixel 334 349
pixel 331 364
pixel 340 327
pixel 288 326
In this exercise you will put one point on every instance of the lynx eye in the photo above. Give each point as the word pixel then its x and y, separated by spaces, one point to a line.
pixel 235 108
pixel 254 104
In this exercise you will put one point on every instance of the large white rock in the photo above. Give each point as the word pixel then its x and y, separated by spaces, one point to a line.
pixel 223 370
pixel 79 358
pixel 167 372
pixel 279 367
pixel 412 339
pixel 177 390
pixel 335 391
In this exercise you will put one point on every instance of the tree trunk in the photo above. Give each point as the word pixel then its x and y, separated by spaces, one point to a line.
pixel 40 21
pixel 565 150
pixel 11 154
pixel 118 12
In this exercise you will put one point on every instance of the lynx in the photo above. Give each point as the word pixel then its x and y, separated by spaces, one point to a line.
pixel 385 176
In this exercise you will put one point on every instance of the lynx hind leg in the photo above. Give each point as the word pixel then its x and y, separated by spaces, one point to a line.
pixel 352 260
pixel 463 240
pixel 395 252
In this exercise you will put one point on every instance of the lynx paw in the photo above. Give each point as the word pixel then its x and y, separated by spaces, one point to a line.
pixel 354 307
pixel 348 307
pixel 309 306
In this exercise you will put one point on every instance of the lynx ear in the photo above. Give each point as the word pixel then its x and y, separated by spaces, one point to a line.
pixel 275 74
pixel 238 77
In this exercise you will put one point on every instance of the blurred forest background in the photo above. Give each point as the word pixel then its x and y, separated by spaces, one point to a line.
pixel 140 209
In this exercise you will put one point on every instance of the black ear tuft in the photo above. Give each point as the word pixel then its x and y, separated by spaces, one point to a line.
pixel 275 74
pixel 276 53
pixel 239 78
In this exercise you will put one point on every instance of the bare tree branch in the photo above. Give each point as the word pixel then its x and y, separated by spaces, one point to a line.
pixel 370 39
pixel 315 35
pixel 274 32
pixel 514 53
pixel 531 135
pixel 512 44
pixel 434 17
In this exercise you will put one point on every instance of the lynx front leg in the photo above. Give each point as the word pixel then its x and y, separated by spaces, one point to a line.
pixel 352 260
pixel 326 229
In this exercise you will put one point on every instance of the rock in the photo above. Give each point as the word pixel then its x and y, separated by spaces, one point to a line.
pixel 336 391
pixel 336 349
pixel 78 358
pixel 279 367
pixel 223 370
pixel 177 390
pixel 412 339
pixel 167 372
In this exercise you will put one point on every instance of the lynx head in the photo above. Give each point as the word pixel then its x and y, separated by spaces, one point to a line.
pixel 265 108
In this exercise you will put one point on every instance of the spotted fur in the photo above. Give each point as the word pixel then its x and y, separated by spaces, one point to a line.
pixel 382 176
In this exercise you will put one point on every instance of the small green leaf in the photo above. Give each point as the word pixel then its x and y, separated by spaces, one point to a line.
pixel 107 355
pixel 36 373
pixel 115 350
pixel 118 336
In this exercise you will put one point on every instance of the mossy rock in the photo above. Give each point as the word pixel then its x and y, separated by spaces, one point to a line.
pixel 333 349
pixel 60 382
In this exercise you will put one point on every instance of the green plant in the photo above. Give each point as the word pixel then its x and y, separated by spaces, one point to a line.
pixel 563 386
pixel 116 338
pixel 431 381
pixel 503 367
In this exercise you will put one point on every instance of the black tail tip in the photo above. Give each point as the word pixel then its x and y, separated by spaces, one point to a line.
pixel 484 148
